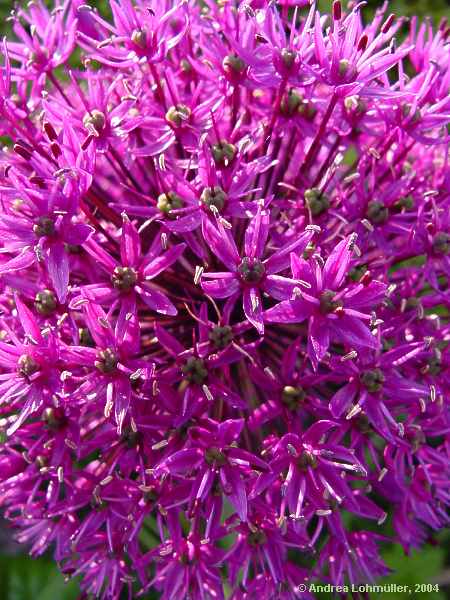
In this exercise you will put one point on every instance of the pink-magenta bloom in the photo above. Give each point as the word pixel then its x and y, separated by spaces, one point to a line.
pixel 250 274
pixel 333 309
pixel 224 299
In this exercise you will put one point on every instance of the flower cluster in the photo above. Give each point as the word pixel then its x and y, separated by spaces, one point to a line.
pixel 224 267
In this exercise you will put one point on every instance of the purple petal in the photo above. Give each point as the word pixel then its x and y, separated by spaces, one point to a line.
pixel 27 319
pixel 231 480
pixel 253 308
pixel 122 396
pixel 280 259
pixel 337 264
pixel 183 461
pixel 184 224
pixel 256 234
pixel 221 243
pixel 130 243
pixel 24 260
pixel 156 300
pixel 318 339
pixel 58 270
pixel 352 332
pixel 278 287
pixel 77 233
pixel 289 311
pixel 167 341
pixel 163 262
pixel 221 288
pixel 342 399
pixel 366 296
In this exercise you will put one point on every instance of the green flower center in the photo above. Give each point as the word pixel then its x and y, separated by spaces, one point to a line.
pixel 44 227
pixel 292 397
pixel 377 212
pixel 214 197
pixel 441 243
pixel 317 202
pixel 251 270
pixel 178 115
pixel 26 365
pixel 195 370
pixel 257 538
pixel 168 202
pixel 124 278
pixel 305 460
pixel 54 418
pixel 107 361
pixel 214 456
pixel 233 65
pixel 86 338
pixel 139 38
pixel 94 120
pixel 224 153
pixel 327 302
pixel 45 302
pixel 288 57
pixel 221 337
pixel 373 380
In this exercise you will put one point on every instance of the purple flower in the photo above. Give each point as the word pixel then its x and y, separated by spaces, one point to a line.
pixel 332 308
pixel 131 277
pixel 250 274
pixel 224 304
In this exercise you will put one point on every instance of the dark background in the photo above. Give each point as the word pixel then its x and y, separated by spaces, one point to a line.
pixel 22 578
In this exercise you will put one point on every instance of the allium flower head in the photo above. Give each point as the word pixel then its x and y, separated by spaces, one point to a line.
pixel 224 304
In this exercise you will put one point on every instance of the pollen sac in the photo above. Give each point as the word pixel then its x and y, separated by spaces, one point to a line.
pixel 233 65
pixel 221 337
pixel 107 361
pixel 27 366
pixel 169 201
pixel 213 456
pixel 95 120
pixel 292 397
pixel 251 270
pixel 124 278
pixel 377 212
pixel 214 197
pixel 45 302
pixel 327 302
pixel 45 227
pixel 373 380
pixel 195 370
pixel 317 202
pixel 178 115
pixel 441 243
pixel 223 153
